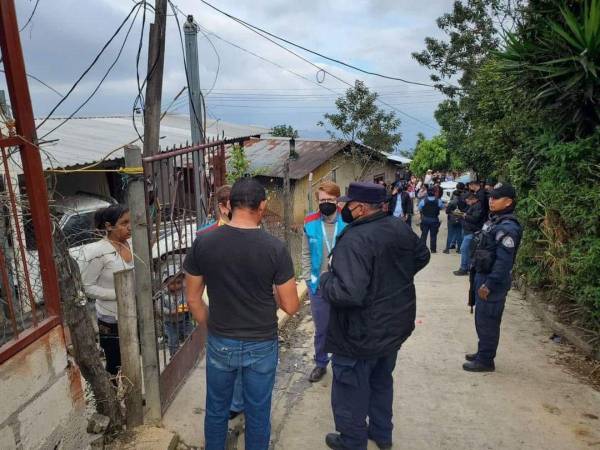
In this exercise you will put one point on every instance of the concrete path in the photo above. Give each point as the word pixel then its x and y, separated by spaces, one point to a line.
pixel 528 403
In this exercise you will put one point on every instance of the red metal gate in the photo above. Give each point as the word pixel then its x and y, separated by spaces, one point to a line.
pixel 172 225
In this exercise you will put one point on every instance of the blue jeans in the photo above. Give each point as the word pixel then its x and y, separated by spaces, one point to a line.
pixel 177 330
pixel 225 358
pixel 454 235
pixel 237 404
pixel 465 251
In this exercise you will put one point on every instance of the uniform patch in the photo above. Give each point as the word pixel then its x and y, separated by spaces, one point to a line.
pixel 508 242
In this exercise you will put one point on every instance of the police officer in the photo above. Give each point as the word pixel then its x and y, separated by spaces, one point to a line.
pixel 495 249
pixel 370 287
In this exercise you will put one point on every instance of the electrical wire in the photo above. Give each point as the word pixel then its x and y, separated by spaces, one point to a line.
pixel 37 2
pixel 337 61
pixel 101 80
pixel 92 64
pixel 43 83
pixel 218 61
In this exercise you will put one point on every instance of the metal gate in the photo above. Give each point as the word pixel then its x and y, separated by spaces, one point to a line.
pixel 174 184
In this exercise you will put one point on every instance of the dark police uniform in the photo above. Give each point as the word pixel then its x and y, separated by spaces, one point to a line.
pixel 495 250
pixel 370 287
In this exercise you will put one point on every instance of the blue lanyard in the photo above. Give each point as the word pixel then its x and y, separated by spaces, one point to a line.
pixel 329 246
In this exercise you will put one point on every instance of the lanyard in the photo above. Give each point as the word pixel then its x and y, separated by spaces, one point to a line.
pixel 327 243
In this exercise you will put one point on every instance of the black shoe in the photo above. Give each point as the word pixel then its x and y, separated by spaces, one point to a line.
pixel 452 246
pixel 317 373
pixel 477 366
pixel 446 251
pixel 382 445
pixel 458 250
pixel 234 414
pixel 334 441
pixel 460 273
pixel 471 356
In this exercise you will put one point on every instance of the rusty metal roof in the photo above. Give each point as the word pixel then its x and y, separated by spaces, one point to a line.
pixel 267 156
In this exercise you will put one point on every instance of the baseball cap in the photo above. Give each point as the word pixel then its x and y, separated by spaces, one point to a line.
pixel 364 192
pixel 502 190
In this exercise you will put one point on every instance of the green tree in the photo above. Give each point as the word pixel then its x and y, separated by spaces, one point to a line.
pixel 359 119
pixel 284 131
pixel 430 154
pixel 238 165
pixel 555 55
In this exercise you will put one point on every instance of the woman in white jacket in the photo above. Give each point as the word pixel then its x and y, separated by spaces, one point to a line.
pixel 101 260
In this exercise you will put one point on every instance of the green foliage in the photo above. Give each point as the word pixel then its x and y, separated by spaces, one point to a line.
pixel 238 165
pixel 284 131
pixel 430 154
pixel 530 115
pixel 359 119
pixel 559 60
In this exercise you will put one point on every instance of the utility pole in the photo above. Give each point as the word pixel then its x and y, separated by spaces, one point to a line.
pixel 156 62
pixel 143 286
pixel 190 30
pixel 287 197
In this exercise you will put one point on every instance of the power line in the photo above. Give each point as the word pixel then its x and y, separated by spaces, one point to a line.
pixel 101 80
pixel 43 83
pixel 92 64
pixel 259 31
pixel 337 61
pixel 30 16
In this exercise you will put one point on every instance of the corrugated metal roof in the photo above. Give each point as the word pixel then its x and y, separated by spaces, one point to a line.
pixel 85 141
pixel 267 156
pixel 398 158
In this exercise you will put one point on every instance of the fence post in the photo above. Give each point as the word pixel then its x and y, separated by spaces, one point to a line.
pixel 128 337
pixel 143 287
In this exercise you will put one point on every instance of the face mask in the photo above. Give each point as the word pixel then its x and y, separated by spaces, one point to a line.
pixel 230 215
pixel 347 214
pixel 327 209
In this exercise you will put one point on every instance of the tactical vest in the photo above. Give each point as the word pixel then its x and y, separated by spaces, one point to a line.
pixel 431 208
pixel 483 248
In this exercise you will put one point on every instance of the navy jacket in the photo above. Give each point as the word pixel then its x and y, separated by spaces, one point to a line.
pixel 370 287
pixel 505 237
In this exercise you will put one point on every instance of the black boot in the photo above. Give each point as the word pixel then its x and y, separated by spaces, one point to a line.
pixel 478 366
pixel 471 356
pixel 334 441
pixel 460 273
pixel 317 373
pixel 446 251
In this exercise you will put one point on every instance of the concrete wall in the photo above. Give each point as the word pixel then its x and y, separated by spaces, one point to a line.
pixel 42 403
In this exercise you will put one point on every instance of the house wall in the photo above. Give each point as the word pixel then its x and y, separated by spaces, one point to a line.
pixel 93 183
pixel 42 403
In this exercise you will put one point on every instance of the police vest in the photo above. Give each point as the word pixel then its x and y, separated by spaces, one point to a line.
pixel 431 208
pixel 483 249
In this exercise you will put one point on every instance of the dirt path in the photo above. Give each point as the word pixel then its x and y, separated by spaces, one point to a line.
pixel 528 403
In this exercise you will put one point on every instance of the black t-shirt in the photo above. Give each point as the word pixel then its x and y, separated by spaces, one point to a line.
pixel 240 267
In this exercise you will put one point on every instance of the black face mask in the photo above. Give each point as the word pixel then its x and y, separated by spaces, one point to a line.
pixel 347 214
pixel 327 209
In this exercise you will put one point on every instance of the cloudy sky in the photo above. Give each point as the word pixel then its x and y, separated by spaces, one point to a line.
pixel 378 35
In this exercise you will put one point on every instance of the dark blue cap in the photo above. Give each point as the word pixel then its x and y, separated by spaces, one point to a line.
pixel 502 190
pixel 365 193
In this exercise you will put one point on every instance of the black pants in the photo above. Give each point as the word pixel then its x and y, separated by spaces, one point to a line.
pixel 109 341
pixel 432 229
pixel 363 388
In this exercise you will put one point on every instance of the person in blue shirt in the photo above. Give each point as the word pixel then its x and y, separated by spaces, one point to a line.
pixel 430 208
pixel 321 230
pixel 494 255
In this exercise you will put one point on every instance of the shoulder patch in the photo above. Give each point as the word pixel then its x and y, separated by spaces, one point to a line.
pixel 508 242
pixel 206 228
pixel 312 217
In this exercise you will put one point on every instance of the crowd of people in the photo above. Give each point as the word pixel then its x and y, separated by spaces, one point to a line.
pixel 359 259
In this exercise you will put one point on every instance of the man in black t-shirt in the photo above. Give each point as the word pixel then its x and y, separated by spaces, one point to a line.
pixel 239 264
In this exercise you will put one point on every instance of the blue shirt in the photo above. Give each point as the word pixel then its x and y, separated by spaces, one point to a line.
pixel 398 209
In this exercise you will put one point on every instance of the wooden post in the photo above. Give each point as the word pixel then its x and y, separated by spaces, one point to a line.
pixel 287 197
pixel 143 287
pixel 130 345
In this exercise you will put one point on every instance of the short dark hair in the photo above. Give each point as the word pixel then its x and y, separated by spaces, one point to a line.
pixel 110 214
pixel 460 186
pixel 472 197
pixel 247 193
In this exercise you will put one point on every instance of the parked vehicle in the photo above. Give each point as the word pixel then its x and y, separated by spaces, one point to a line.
pixel 449 187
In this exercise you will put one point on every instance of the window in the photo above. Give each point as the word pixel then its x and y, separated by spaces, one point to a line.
pixel 378 178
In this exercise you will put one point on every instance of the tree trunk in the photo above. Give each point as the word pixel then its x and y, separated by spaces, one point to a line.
pixel 83 336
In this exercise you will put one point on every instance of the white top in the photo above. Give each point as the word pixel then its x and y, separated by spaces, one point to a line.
pixel 100 260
